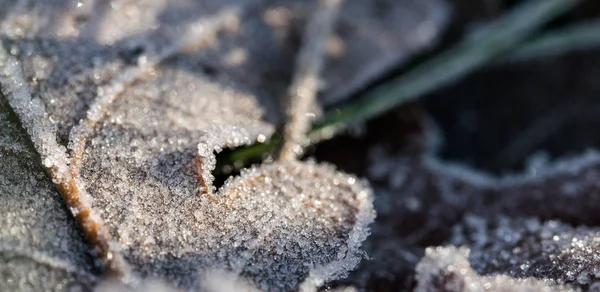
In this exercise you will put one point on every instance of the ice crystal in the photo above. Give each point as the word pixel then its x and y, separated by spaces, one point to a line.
pixel 448 269
pixel 277 224
pixel 526 247
pixel 41 248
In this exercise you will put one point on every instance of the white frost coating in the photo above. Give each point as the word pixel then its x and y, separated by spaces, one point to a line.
pixel 397 167
pixel 567 165
pixel 33 116
pixel 347 259
pixel 528 247
pixel 197 31
pixel 448 269
pixel 42 133
pixel 214 281
pixel 346 255
pixel 272 224
pixel 137 170
pixel 40 246
pixel 302 93
pixel 438 194
pixel 460 171
pixel 368 41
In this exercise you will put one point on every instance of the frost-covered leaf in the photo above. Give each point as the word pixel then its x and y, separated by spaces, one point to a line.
pixel 448 269
pixel 526 247
pixel 277 224
pixel 41 248
pixel 147 165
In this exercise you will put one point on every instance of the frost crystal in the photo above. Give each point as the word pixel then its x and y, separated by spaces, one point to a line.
pixel 41 248
pixel 32 114
pixel 447 269
pixel 276 224
pixel 526 247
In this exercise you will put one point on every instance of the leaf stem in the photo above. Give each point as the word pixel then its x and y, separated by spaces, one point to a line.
pixel 302 93
pixel 33 117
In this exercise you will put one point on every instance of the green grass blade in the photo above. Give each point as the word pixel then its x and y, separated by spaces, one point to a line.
pixel 469 55
pixel 576 37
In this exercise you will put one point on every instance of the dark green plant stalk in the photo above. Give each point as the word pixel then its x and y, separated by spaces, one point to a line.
pixel 470 54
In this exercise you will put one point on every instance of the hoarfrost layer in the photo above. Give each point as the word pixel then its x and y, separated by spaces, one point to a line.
pixel 277 224
pixel 41 248
pixel 527 247
pixel 448 269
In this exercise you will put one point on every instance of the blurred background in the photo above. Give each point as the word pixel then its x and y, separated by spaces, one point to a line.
pixel 496 117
